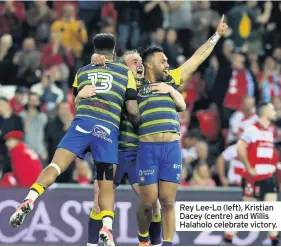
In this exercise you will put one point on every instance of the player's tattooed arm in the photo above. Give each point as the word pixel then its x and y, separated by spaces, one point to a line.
pixel 163 88
pixel 202 53
pixel 86 92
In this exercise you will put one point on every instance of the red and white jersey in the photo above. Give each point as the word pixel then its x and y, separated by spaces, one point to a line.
pixel 235 165
pixel 238 123
pixel 261 151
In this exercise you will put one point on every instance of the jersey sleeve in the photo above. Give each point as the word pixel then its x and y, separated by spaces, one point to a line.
pixel 249 135
pixel 176 74
pixel 230 153
pixel 131 92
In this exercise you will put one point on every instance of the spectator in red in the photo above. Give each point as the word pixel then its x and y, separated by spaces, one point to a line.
pixel 17 103
pixel 11 18
pixel 82 173
pixel 233 82
pixel 26 165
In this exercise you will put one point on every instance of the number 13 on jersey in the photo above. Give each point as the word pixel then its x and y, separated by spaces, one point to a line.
pixel 105 80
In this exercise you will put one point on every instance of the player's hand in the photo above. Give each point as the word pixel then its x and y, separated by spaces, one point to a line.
pixel 160 88
pixel 97 59
pixel 252 172
pixel 97 208
pixel 87 92
pixel 222 27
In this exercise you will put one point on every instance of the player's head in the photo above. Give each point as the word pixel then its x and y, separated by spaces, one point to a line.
pixel 133 60
pixel 248 104
pixel 104 44
pixel 267 110
pixel 156 62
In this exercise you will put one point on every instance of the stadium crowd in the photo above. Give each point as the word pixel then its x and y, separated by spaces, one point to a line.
pixel 43 44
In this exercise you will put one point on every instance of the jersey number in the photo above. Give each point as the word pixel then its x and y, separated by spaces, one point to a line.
pixel 105 81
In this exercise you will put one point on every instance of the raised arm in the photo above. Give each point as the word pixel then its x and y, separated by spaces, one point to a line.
pixel 203 52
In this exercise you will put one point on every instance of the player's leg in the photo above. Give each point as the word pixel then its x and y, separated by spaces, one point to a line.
pixel 169 175
pixel 147 173
pixel 155 226
pixel 73 144
pixel 105 153
pixel 94 227
pixel 248 196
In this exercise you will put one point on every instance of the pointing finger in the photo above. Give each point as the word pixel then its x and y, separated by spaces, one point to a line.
pixel 222 19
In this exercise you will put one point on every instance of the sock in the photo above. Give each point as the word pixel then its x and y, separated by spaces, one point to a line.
pixel 36 190
pixel 107 218
pixel 228 238
pixel 94 226
pixel 144 237
pixel 155 230
pixel 167 243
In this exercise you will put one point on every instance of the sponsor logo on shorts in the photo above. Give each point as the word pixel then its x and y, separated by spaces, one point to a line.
pixel 176 166
pixel 142 179
pixel 140 173
pixel 146 172
pixel 178 176
pixel 102 132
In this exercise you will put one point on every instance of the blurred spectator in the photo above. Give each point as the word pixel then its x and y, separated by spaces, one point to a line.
pixel 128 24
pixel 57 127
pixel 244 21
pixel 82 173
pixel 8 122
pixel 189 153
pixel 108 11
pixel 172 48
pixel 232 84
pixel 49 93
pixel 277 56
pixel 152 18
pixel 34 124
pixel 179 17
pixel 89 12
pixel 156 38
pixel 39 18
pixel 12 15
pixel 73 32
pixel 28 62
pixel 7 52
pixel 201 177
pixel 18 101
pixel 26 164
pixel 203 19
pixel 241 120
pixel 269 81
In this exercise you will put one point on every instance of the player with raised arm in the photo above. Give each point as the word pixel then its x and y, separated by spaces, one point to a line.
pixel 95 127
pixel 255 149
pixel 159 155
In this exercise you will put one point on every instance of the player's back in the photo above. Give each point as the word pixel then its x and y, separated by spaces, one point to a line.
pixel 111 83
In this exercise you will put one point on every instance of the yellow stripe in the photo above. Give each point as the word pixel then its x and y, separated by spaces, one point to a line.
pixel 144 235
pixel 164 109
pixel 157 132
pixel 128 144
pixel 107 102
pixel 114 94
pixel 92 108
pixel 38 188
pixel 95 216
pixel 159 121
pixel 162 98
pixel 129 134
pixel 105 213
pixel 87 82
pixel 86 115
pixel 156 218
pixel 118 84
pixel 103 70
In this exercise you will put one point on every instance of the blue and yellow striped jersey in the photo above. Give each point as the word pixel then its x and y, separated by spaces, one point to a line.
pixel 158 111
pixel 112 82
pixel 128 138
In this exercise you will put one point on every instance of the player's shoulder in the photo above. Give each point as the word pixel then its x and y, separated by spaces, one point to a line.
pixel 251 129
pixel 117 65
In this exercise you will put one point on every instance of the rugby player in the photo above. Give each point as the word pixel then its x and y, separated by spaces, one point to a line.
pixel 255 149
pixel 128 143
pixel 159 161
pixel 96 126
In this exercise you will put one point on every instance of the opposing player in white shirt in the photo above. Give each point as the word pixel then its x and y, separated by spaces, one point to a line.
pixel 256 151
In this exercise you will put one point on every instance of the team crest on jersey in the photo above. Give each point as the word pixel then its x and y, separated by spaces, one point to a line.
pixel 143 91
